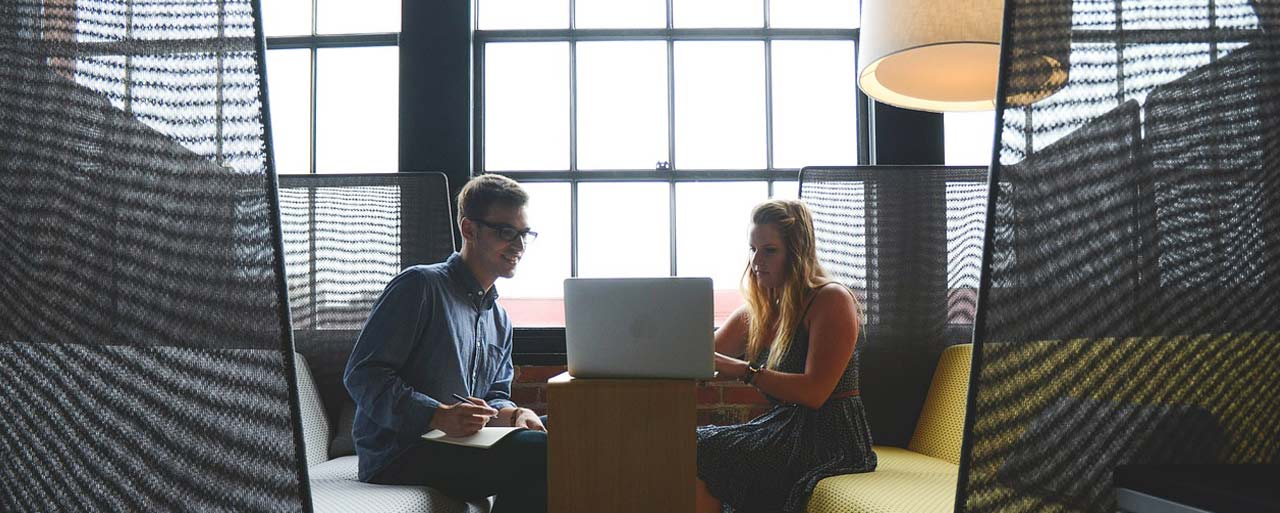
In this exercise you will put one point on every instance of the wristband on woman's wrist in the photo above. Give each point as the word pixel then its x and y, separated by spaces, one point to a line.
pixel 750 374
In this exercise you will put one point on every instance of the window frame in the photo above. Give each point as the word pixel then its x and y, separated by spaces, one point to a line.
pixel 315 42
pixel 543 339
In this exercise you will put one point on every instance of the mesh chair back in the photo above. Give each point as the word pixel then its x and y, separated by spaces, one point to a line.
pixel 908 241
pixel 144 342
pixel 345 237
pixel 1130 280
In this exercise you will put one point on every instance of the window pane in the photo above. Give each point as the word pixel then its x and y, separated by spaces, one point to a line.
pixel 615 14
pixel 526 106
pixel 286 17
pixel 622 105
pixel 289 87
pixel 813 14
pixel 522 14
pixel 363 17
pixel 713 224
pixel 1171 14
pixel 1237 14
pixel 966 211
pixel 534 297
pixel 623 229
pixel 357 110
pixel 969 137
pixel 717 13
pixel 786 189
pixel 719 89
pixel 814 104
pixel 105 75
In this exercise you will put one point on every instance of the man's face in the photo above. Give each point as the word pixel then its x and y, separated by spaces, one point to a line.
pixel 495 255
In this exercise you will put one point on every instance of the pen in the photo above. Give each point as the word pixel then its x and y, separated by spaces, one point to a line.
pixel 465 400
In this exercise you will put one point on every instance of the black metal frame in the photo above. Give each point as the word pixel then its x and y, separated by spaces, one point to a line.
pixel 314 42
pixel 671 175
pixel 439 40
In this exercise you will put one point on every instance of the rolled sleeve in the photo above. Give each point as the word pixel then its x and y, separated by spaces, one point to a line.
pixel 372 374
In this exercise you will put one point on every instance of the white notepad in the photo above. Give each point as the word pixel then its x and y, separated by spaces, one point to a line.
pixel 483 439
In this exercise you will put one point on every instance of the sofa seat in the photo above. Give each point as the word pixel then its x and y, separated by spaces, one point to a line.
pixel 335 489
pixel 920 478
pixel 903 482
pixel 335 486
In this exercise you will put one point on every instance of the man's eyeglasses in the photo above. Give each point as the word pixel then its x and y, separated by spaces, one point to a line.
pixel 509 233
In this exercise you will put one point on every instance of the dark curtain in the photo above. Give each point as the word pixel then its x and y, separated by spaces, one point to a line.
pixel 145 358
pixel 908 241
pixel 1128 310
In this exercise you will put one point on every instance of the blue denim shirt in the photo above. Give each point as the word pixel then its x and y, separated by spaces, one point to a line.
pixel 433 332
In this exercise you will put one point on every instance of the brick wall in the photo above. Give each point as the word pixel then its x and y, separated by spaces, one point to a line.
pixel 721 402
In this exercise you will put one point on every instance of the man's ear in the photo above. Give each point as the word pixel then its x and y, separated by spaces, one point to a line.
pixel 467 228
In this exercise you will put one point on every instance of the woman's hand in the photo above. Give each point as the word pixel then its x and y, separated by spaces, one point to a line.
pixel 729 367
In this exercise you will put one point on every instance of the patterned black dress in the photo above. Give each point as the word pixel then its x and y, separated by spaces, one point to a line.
pixel 772 463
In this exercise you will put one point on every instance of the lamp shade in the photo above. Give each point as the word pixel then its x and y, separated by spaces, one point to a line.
pixel 944 56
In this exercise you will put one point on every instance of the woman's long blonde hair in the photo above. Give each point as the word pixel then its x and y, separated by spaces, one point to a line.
pixel 782 307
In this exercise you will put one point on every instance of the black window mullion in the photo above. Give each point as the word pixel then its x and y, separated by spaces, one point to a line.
pixel 313 48
pixel 573 227
pixel 768 100
pixel 671 144
pixel 573 107
pixel 768 105
pixel 657 34
pixel 312 122
pixel 573 143
pixel 478 106
pixel 671 222
pixel 671 104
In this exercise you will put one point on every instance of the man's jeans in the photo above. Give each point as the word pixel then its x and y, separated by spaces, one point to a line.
pixel 514 469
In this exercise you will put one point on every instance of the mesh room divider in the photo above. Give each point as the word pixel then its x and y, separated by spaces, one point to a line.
pixel 1131 283
pixel 908 241
pixel 345 237
pixel 145 359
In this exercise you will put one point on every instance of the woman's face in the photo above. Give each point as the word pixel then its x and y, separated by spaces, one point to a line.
pixel 768 256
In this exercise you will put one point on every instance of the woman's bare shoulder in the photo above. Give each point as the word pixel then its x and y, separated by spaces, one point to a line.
pixel 833 298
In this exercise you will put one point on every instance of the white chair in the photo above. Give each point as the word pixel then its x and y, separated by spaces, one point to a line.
pixel 334 485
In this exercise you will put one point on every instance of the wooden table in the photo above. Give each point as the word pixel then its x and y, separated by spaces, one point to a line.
pixel 621 445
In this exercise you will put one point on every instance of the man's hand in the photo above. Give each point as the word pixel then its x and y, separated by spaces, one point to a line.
pixel 526 418
pixel 462 419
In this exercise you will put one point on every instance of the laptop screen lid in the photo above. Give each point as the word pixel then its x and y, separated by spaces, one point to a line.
pixel 639 327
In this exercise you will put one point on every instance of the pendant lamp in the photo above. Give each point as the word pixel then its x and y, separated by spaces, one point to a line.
pixel 944 55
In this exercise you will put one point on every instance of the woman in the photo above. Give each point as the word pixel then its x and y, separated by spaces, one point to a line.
pixel 796 338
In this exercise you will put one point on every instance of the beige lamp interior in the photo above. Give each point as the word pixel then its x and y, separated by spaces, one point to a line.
pixel 939 55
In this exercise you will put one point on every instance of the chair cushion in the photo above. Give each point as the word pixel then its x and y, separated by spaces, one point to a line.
pixel 940 430
pixel 315 425
pixel 903 482
pixel 335 489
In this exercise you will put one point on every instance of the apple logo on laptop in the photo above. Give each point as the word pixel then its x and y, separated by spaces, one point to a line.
pixel 644 327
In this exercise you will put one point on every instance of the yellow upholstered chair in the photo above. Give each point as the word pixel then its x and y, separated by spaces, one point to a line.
pixel 922 477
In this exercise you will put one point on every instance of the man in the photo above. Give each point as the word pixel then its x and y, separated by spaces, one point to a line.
pixel 437 331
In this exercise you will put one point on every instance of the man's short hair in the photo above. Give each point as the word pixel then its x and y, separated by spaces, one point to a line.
pixel 484 191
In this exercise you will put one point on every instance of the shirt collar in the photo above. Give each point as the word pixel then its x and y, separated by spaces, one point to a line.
pixel 467 283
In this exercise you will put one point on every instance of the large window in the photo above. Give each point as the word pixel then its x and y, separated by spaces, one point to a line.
pixel 645 130
pixel 969 137
pixel 332 74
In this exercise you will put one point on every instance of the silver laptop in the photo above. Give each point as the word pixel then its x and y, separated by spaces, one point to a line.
pixel 639 327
